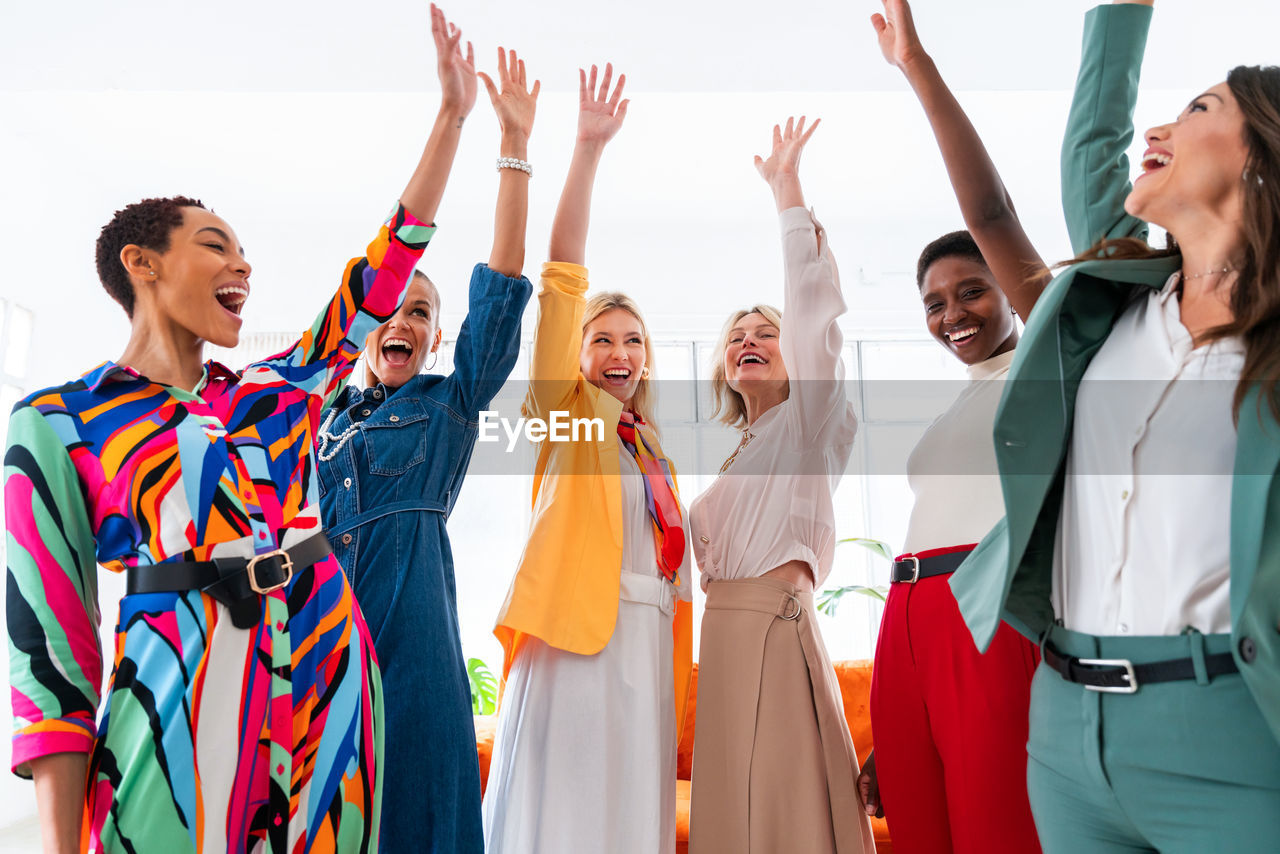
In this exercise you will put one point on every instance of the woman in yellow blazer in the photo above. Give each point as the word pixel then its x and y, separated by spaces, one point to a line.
pixel 596 625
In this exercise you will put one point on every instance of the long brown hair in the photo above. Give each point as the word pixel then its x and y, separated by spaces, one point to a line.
pixel 1255 297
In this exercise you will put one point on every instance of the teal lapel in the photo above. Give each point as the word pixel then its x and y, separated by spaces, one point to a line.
pixel 1033 424
pixel 1257 456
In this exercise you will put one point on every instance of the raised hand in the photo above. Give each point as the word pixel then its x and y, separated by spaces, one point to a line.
pixel 896 32
pixel 599 114
pixel 784 161
pixel 515 103
pixel 457 73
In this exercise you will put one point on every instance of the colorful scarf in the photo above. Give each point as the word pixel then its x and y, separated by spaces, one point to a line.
pixel 660 495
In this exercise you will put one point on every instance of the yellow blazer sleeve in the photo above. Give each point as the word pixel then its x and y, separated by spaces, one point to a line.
pixel 554 367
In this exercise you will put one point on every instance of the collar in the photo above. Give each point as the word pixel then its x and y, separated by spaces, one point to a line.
pixel 988 368
pixel 110 371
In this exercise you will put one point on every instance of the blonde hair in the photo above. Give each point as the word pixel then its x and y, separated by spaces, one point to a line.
pixel 644 400
pixel 730 408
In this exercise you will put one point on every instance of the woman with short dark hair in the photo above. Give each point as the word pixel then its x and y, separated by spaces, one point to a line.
pixel 244 711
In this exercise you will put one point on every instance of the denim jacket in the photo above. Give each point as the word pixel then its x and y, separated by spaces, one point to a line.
pixel 388 491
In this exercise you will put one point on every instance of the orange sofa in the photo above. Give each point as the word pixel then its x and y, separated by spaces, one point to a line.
pixel 855 688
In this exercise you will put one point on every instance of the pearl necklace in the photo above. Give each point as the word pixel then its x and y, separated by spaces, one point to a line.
pixel 1226 269
pixel 324 437
pixel 747 436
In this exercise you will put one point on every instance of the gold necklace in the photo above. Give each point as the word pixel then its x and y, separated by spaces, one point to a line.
pixel 747 436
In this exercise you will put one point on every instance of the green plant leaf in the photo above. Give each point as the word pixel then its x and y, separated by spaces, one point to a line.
pixel 829 599
pixel 484 687
pixel 875 546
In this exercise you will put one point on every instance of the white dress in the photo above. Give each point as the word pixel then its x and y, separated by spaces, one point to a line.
pixel 584 759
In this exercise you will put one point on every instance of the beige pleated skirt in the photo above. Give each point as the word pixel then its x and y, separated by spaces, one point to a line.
pixel 774 768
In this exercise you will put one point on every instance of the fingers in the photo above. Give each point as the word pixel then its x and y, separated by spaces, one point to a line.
pixel 787 134
pixel 513 68
pixel 777 136
pixel 591 82
pixel 503 77
pixel 809 133
pixel 537 87
pixel 488 84
pixel 622 109
pixel 471 56
pixel 582 85
pixel 878 24
pixel 617 92
pixel 603 94
pixel 521 78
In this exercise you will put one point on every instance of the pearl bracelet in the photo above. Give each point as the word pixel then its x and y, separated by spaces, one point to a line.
pixel 515 163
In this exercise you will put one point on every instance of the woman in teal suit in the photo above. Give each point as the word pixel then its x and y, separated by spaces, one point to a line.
pixel 1138 442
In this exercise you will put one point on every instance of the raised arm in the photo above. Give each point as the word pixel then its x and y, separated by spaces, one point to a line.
pixel 599 118
pixel 373 285
pixel 811 341
pixel 457 73
pixel 984 202
pixel 557 341
pixel 1095 167
pixel 515 105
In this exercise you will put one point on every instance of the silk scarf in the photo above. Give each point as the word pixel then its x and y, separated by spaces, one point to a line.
pixel 659 492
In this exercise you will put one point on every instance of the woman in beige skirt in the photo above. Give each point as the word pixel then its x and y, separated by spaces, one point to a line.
pixel 774 767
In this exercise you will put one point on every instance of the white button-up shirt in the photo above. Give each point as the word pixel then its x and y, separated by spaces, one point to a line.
pixel 774 503
pixel 1142 546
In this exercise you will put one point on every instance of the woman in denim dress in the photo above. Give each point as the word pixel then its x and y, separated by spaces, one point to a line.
pixel 386 500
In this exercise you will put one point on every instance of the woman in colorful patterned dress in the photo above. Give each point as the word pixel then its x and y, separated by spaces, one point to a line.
pixel 392 460
pixel 244 708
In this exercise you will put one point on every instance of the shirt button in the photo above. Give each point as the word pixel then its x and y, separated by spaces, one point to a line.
pixel 1124 496
pixel 394 418
pixel 1248 650
pixel 347 483
pixel 1124 628
pixel 346 539
pixel 705 540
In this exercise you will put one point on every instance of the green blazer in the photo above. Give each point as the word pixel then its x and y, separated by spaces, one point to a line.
pixel 1009 574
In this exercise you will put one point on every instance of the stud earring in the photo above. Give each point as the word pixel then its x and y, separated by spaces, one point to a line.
pixel 152 273
pixel 644 372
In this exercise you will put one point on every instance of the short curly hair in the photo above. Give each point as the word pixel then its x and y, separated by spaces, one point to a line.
pixel 149 224
pixel 956 243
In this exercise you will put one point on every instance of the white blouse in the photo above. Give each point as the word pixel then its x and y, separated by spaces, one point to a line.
pixel 773 504
pixel 1142 546
pixel 952 469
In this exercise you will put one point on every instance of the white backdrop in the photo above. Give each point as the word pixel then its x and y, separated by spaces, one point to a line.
pixel 299 123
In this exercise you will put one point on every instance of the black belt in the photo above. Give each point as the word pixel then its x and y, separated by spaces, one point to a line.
pixel 1121 676
pixel 237 582
pixel 909 570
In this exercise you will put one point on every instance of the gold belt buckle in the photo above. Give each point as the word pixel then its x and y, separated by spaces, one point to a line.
pixel 286 561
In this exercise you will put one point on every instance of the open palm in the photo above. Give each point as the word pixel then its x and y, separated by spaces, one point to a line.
pixel 788 144
pixel 457 72
pixel 600 114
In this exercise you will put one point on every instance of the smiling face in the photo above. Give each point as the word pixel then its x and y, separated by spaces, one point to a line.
pixel 396 351
pixel 200 283
pixel 613 353
pixel 752 355
pixel 1192 168
pixel 965 309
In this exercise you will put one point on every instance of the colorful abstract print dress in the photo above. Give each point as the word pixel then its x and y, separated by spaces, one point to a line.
pixel 212 738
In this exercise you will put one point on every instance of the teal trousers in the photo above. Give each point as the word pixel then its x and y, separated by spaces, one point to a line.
pixel 1186 767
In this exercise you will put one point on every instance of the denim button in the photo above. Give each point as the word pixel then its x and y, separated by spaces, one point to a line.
pixel 394 418
pixel 347 483
pixel 365 412
pixel 377 394
pixel 1248 650
pixel 346 539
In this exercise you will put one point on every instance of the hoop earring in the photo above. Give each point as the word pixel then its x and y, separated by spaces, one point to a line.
pixel 644 372
pixel 435 357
